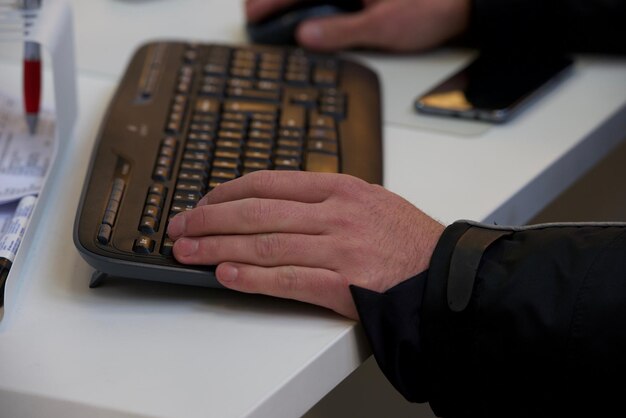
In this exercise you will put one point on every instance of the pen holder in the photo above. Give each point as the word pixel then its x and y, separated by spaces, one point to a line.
pixel 52 27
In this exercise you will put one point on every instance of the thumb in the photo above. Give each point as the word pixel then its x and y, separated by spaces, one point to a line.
pixel 337 32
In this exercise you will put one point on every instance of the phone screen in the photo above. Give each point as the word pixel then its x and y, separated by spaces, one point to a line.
pixel 493 86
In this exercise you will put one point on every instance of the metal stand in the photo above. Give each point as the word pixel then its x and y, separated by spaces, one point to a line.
pixel 97 278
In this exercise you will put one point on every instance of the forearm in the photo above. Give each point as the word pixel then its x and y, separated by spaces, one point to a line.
pixel 566 25
pixel 545 310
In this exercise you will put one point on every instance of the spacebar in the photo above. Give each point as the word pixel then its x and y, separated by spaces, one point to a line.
pixel 323 163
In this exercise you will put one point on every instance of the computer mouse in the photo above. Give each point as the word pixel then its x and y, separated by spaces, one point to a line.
pixel 280 28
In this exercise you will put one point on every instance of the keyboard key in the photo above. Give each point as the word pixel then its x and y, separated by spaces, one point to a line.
pixel 224 174
pixel 256 164
pixel 282 162
pixel 321 121
pixel 193 165
pixel 166 151
pixel 216 181
pixel 187 197
pixel 332 110
pixel 303 97
pixel 271 66
pixel 290 143
pixel 190 187
pixel 152 211
pixel 226 163
pixel 262 126
pixel 196 156
pixel 230 135
pixel 211 90
pixel 202 127
pixel 158 189
pixel 109 217
pixel 167 248
pixel 169 141
pixel 233 145
pixel 191 55
pixel 230 153
pixel 104 234
pixel 217 69
pixel 234 116
pixel 321 162
pixel 154 200
pixel 240 83
pixel 319 145
pixel 178 207
pixel 165 161
pixel 204 146
pixel 290 133
pixel 270 96
pixel 117 191
pixel 143 245
pixel 207 105
pixel 148 225
pixel 324 134
pixel 227 125
pixel 264 117
pixel 268 85
pixel 192 176
pixel 288 152
pixel 113 205
pixel 259 154
pixel 263 144
pixel 250 107
pixel 207 118
pixel 293 117
pixel 242 72
pixel 161 173
pixel 325 74
pixel 200 136
pixel 297 75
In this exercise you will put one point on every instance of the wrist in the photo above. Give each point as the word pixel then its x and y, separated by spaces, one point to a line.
pixel 458 17
pixel 430 235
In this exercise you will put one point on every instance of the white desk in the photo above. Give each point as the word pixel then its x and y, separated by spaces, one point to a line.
pixel 149 349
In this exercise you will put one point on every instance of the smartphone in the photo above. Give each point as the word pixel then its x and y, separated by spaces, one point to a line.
pixel 494 87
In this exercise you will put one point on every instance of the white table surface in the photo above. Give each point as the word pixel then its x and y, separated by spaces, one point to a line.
pixel 148 349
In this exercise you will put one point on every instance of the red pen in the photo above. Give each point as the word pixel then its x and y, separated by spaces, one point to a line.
pixel 32 75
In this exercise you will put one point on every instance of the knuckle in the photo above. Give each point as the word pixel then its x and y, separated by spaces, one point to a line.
pixel 338 220
pixel 261 181
pixel 256 212
pixel 347 251
pixel 349 186
pixel 288 279
pixel 267 246
pixel 205 218
pixel 208 248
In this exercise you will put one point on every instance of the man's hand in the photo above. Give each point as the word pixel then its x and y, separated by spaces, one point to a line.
pixel 392 25
pixel 306 236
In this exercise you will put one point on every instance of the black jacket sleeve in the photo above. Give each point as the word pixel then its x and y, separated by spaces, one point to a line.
pixel 508 322
pixel 566 25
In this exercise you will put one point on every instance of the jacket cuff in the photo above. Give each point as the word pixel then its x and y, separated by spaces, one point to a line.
pixel 391 322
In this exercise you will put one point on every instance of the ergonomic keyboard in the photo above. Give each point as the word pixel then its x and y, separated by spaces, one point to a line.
pixel 189 117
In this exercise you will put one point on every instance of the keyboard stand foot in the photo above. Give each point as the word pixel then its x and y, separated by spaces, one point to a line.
pixel 96 279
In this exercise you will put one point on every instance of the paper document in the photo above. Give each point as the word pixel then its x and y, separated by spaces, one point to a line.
pixel 14 228
pixel 6 213
pixel 24 158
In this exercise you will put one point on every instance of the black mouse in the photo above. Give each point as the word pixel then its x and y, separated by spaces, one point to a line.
pixel 280 28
